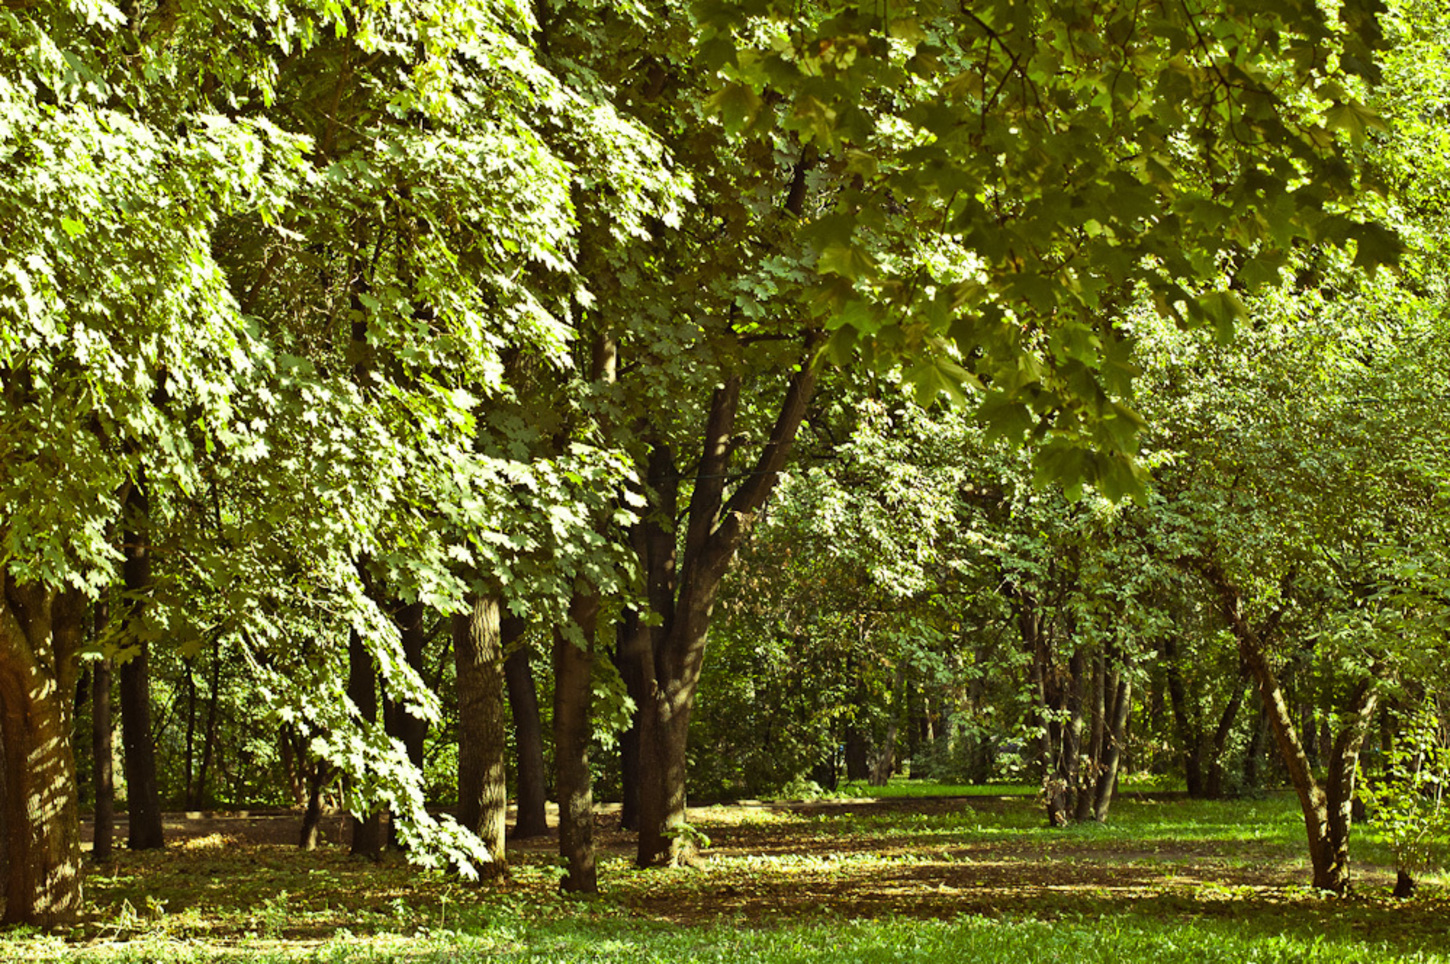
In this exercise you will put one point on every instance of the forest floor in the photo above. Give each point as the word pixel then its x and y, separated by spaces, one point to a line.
pixel 972 868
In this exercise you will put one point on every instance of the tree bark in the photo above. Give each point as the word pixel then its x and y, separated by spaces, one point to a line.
pixel 208 751
pixel 103 749
pixel 366 831
pixel 1327 807
pixel 402 725
pixel 143 799
pixel 573 660
pixel 528 734
pixel 1116 742
pixel 1185 724
pixel 40 636
pixel 715 529
pixel 482 737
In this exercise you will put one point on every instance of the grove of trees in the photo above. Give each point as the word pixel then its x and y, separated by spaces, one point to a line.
pixel 414 406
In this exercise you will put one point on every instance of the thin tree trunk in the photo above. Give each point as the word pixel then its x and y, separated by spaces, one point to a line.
pixel 573 660
pixel 40 635
pixel 189 762
pixel 366 832
pixel 482 737
pixel 1213 786
pixel 528 734
pixel 143 799
pixel 1185 727
pixel 1116 743
pixel 103 750
pixel 208 749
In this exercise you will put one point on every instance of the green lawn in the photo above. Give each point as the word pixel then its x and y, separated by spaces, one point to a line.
pixel 898 879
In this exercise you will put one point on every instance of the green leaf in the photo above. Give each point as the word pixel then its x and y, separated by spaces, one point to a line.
pixel 1223 309
pixel 848 261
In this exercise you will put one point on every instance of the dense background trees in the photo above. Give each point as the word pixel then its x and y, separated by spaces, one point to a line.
pixel 324 329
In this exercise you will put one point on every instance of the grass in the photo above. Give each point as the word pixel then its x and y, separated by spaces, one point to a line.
pixel 895 879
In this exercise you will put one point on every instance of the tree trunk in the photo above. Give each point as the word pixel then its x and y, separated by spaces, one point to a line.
pixel 528 734
pixel 103 750
pixel 885 757
pixel 366 831
pixel 1327 808
pixel 208 750
pixel 630 649
pixel 402 725
pixel 317 775
pixel 715 529
pixel 40 635
pixel 1116 741
pixel 143 799
pixel 1185 724
pixel 858 754
pixel 1213 786
pixel 573 660
pixel 482 737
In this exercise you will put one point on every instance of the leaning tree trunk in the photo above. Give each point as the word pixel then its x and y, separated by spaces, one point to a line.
pixel 40 635
pixel 482 737
pixel 573 661
pixel 143 798
pixel 528 734
pixel 1327 807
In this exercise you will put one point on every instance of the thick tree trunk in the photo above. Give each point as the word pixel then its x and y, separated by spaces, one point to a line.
pixel 103 750
pixel 143 799
pixel 715 529
pixel 366 831
pixel 40 634
pixel 528 734
pixel 482 736
pixel 1327 808
pixel 630 650
pixel 317 776
pixel 573 729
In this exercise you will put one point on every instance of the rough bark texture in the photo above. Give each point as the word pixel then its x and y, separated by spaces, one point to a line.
pixel 715 528
pixel 40 634
pixel 482 769
pixel 1327 807
pixel 528 734
pixel 573 660
pixel 143 799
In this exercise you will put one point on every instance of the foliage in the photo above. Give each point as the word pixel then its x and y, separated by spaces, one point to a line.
pixel 1406 801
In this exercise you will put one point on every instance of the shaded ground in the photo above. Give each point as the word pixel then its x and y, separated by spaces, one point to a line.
pixel 239 876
